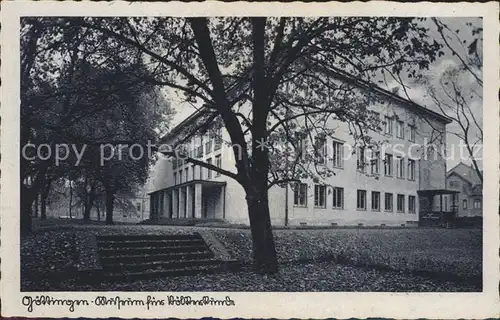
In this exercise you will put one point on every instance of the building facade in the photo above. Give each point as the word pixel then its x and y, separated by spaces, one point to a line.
pixel 371 186
pixel 469 199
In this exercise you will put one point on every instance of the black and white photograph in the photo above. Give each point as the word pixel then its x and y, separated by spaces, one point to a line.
pixel 247 152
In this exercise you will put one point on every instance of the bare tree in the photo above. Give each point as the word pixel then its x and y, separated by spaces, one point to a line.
pixel 458 92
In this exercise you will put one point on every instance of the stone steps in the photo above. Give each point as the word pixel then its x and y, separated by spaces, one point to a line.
pixel 152 274
pixel 149 243
pixel 149 256
pixel 157 257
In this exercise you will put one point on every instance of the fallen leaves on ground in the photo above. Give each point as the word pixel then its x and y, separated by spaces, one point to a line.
pixel 308 255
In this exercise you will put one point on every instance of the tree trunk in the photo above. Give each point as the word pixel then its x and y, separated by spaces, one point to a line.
pixel 89 203
pixel 70 199
pixel 264 252
pixel 35 212
pixel 26 209
pixel 98 212
pixel 110 197
pixel 44 196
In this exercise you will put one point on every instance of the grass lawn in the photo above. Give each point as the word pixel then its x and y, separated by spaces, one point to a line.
pixel 399 260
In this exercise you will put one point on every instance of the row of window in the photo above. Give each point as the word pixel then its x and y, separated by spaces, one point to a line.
pixel 190 172
pixel 202 145
pixel 390 122
pixel 374 164
pixel 320 191
pixel 476 204
pixel 363 161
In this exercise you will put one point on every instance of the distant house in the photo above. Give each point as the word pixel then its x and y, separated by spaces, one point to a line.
pixel 464 178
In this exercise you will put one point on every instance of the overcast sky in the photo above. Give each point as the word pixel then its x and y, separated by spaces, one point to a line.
pixel 416 92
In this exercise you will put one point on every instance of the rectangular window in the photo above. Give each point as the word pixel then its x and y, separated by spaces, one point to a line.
pixel 464 204
pixel 375 162
pixel 375 118
pixel 338 198
pixel 477 204
pixel 338 154
pixel 400 167
pixel 400 203
pixel 375 201
pixel 360 162
pixel 208 145
pixel 300 195
pixel 186 173
pixel 361 200
pixel 321 151
pixel 180 176
pixel 411 204
pixel 175 177
pixel 388 165
pixel 319 196
pixel 388 125
pixel 217 139
pixel 388 202
pixel 411 169
pixel 412 133
pixel 209 172
pixel 301 148
pixel 218 163
pixel 400 129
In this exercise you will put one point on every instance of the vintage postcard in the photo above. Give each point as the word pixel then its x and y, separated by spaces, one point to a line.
pixel 254 160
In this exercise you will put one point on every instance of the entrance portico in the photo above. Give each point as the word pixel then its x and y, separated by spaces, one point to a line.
pixel 433 211
pixel 193 199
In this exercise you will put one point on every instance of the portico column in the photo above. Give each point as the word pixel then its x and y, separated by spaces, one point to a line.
pixel 175 207
pixel 166 204
pixel 182 203
pixel 189 201
pixel 197 200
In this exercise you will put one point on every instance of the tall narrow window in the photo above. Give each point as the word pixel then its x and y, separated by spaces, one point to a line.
pixel 319 196
pixel 412 133
pixel 209 172
pixel 186 173
pixel 388 125
pixel 301 148
pixel 180 176
pixel 374 162
pixel 388 164
pixel 411 169
pixel 375 201
pixel 477 204
pixel 401 203
pixel 400 167
pixel 321 151
pixel 411 204
pixel 208 144
pixel 218 163
pixel 300 195
pixel 388 202
pixel 361 200
pixel 338 198
pixel 338 154
pixel 175 177
pixel 217 139
pixel 360 162
pixel 400 129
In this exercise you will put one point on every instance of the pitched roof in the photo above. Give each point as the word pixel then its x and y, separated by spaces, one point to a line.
pixel 204 115
pixel 465 172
